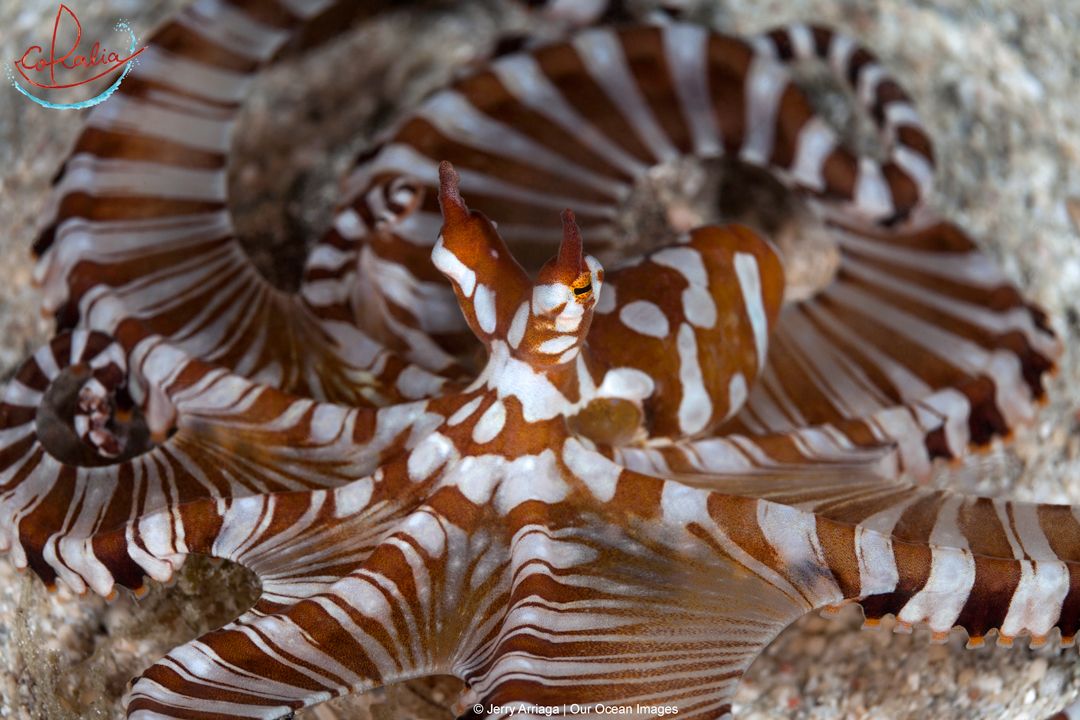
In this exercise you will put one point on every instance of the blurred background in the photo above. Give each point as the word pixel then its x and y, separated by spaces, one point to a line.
pixel 996 83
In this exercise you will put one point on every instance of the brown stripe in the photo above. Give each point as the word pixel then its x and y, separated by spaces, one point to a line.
pixel 937 444
pixel 913 570
pixel 985 420
pixel 167 677
pixel 182 41
pixel 104 207
pixel 856 62
pixel 1062 531
pixel 839 172
pixel 729 61
pixel 918 519
pixel 269 13
pixel 838 544
pixel 170 97
pixel 487 93
pixel 429 141
pixel 915 139
pixel 870 369
pixel 814 405
pixel 988 602
pixel 124 146
pixel 904 191
pixel 738 519
pixel 563 66
pixel 855 511
pixel 979 522
pixel 887 91
pixel 997 299
pixel 1069 620
pixel 933 370
pixel 785 49
pixel 792 114
pixel 644 49
pixel 822 39
pixel 636 496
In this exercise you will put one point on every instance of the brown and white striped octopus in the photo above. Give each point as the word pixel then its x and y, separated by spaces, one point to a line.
pixel 579 446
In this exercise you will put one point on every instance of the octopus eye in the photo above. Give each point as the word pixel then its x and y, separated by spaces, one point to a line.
pixel 583 290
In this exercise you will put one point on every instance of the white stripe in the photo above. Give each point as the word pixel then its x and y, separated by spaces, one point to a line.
pixel 224 25
pixel 695 406
pixel 103 177
pixel 646 318
pixel 746 270
pixel 793 535
pixel 968 267
pixel 686 52
pixel 484 306
pixel 1036 603
pixel 840 49
pixel 604 59
pixel 917 167
pixel 190 76
pixel 877 563
pixel 1002 366
pixel 802 41
pixel 128 114
pixel 766 80
pixel 459 120
pixel 518 325
pixel 872 195
pixel 938 604
pixel 816 142
pixel 870 75
pixel 523 78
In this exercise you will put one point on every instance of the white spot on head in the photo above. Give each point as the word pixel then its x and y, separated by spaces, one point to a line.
pixel 540 399
pixel 699 307
pixel 683 505
pixel 476 476
pixel 569 319
pixel 746 269
pixel 646 318
pixel 465 411
pixel 518 325
pixel 605 300
pixel 626 383
pixel 568 355
pixel 600 475
pixel 490 423
pixel 695 406
pixel 484 306
pixel 737 393
pixel 686 261
pixel 547 298
pixel 531 477
pixel 448 263
pixel 432 452
pixel 352 498
pixel 557 344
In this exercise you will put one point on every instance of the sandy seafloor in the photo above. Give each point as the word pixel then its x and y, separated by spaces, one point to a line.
pixel 995 81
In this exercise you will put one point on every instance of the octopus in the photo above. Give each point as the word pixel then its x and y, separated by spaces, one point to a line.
pixel 538 417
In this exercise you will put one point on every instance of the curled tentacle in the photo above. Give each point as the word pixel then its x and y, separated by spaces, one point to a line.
pixel 891 191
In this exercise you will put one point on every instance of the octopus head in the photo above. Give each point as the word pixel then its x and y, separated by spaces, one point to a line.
pixel 542 323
